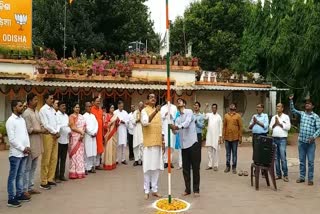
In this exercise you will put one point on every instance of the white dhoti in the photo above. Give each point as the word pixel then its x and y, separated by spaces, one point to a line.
pixel 152 164
pixel 121 153
pixel 213 156
pixel 214 134
pixel 138 152
pixel 90 142
pixel 98 160
pixel 90 162
pixel 180 158
pixel 137 141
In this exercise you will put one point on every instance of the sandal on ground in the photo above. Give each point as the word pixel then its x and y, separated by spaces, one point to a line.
pixel 245 173
pixel 146 196
pixel 155 194
pixel 185 194
pixel 240 173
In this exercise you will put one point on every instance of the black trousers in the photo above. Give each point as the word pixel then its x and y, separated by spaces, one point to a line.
pixel 61 162
pixel 130 142
pixel 192 157
pixel 199 137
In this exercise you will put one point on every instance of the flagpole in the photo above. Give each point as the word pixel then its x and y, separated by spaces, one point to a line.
pixel 168 102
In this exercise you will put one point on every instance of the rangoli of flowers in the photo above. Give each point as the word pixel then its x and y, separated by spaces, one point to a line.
pixel 176 206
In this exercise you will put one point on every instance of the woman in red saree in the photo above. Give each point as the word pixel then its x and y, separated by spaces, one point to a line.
pixel 110 125
pixel 76 145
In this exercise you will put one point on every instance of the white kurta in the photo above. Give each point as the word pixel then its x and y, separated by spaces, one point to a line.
pixel 122 129
pixel 90 142
pixel 173 112
pixel 214 130
pixel 152 156
pixel 130 126
pixel 137 129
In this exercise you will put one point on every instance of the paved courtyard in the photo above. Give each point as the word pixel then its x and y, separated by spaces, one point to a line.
pixel 121 191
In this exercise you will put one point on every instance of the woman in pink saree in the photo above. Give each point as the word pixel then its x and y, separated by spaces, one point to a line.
pixel 76 145
pixel 110 125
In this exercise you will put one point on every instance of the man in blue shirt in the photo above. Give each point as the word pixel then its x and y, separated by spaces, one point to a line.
pixel 191 149
pixel 199 119
pixel 259 124
pixel 309 131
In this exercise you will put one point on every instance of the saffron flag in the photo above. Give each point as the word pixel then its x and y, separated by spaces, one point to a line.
pixel 70 1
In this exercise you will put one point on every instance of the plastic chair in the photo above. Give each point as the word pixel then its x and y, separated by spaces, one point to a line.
pixel 266 150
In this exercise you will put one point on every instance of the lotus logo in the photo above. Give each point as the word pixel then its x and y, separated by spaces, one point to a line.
pixel 21 19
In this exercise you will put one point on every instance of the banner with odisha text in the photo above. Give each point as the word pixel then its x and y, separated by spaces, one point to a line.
pixel 16 24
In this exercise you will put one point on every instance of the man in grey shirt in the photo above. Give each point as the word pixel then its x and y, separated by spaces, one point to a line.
pixel 191 149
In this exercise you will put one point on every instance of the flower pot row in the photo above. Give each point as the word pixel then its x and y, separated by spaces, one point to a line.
pixel 87 72
pixel 164 62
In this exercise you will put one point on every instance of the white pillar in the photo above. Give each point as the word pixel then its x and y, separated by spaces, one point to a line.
pixel 273 101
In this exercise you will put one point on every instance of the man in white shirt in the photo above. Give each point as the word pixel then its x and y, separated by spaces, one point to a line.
pixel 56 105
pixel 49 158
pixel 122 133
pixel 135 122
pixel 63 141
pixel 280 125
pixel 130 134
pixel 19 150
pixel 165 122
pixel 214 137
pixel 90 140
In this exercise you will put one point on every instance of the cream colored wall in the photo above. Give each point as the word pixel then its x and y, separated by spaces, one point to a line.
pixel 210 97
pixel 182 78
pixel 28 69
pixel 136 98
pixel 253 98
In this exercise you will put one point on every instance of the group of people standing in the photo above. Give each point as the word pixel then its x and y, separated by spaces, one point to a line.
pixel 53 134
pixel 97 140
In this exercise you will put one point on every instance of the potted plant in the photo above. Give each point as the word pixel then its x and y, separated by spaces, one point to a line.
pixel 70 65
pixel 100 67
pixel 113 72
pixel 205 77
pixel 137 59
pixel 189 61
pixel 50 54
pixel 41 65
pixel 181 60
pixel 120 66
pixel 132 57
pixel 159 59
pixel 250 76
pixel 195 61
pixel 225 74
pixel 175 60
pixel 143 59
pixel 198 75
pixel 128 69
pixel 212 77
pixel 3 52
pixel 55 67
pixel 3 134
pixel 154 59
pixel 29 54
pixel 148 59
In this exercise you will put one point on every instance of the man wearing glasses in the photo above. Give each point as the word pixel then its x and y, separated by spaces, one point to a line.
pixel 259 124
